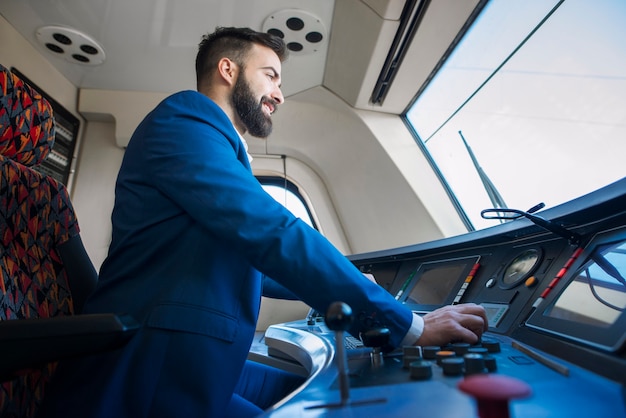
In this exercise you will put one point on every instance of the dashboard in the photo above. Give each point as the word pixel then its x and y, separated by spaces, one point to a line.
pixel 556 344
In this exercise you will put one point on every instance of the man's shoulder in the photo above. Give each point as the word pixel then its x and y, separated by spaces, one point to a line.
pixel 186 98
pixel 191 102
pixel 186 110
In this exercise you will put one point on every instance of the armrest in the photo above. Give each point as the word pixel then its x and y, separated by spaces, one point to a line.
pixel 82 276
pixel 28 343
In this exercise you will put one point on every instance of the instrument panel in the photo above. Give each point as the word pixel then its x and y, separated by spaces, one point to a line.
pixel 556 309
pixel 573 293
pixel 503 279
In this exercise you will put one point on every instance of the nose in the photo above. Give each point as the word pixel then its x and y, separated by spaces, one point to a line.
pixel 277 95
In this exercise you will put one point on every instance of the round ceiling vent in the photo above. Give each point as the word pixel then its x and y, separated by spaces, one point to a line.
pixel 73 45
pixel 302 31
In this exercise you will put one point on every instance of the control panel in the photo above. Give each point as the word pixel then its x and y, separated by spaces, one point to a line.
pixel 498 374
pixel 556 345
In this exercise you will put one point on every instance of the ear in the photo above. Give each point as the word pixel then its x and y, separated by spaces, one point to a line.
pixel 227 70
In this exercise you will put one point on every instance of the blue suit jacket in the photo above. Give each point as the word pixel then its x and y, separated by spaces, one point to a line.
pixel 192 231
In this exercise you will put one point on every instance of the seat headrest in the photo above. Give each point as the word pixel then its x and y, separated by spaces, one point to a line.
pixel 26 121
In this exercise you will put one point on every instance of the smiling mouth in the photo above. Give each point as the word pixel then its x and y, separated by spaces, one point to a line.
pixel 270 105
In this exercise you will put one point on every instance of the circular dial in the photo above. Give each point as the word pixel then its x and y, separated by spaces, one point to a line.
pixel 520 268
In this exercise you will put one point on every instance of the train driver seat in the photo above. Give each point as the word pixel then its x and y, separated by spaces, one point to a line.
pixel 45 272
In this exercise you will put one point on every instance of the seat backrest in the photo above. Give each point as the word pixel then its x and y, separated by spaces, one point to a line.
pixel 39 233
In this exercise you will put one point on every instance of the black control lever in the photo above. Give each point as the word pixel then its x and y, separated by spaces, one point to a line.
pixel 376 338
pixel 339 318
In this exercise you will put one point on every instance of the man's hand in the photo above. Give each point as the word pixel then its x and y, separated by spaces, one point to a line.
pixel 464 322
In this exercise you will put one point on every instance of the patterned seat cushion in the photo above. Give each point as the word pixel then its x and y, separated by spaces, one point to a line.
pixel 36 216
pixel 26 121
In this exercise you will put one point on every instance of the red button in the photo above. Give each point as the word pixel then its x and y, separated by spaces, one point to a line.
pixel 493 392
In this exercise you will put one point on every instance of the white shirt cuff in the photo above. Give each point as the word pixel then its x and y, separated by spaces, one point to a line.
pixel 415 331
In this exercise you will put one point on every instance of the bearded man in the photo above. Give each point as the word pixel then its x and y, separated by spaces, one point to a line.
pixel 195 240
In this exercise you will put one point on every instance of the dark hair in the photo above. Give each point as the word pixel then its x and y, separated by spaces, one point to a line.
pixel 233 43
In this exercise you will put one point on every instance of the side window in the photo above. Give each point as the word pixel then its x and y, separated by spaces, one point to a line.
pixel 288 194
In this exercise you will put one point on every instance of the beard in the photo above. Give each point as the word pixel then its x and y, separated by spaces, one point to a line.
pixel 250 111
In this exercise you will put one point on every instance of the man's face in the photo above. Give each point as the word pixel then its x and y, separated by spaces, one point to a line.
pixel 256 93
pixel 250 109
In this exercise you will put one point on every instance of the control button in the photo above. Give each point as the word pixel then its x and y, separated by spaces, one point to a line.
pixel 460 348
pixel 474 363
pixel 452 366
pixel 430 352
pixel 420 370
pixel 531 281
pixel 410 353
pixel 490 283
pixel 478 350
pixel 490 363
pixel 492 346
pixel 412 350
pixel 444 354
pixel 493 393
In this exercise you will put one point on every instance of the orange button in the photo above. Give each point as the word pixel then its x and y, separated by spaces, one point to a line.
pixel 531 281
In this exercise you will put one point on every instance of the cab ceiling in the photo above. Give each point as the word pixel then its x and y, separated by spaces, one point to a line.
pixel 150 45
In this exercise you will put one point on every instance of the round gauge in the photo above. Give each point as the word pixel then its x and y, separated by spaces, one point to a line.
pixel 520 268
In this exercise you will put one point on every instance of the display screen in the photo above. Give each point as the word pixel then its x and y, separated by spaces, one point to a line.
pixel 591 307
pixel 596 295
pixel 436 283
pixel 495 312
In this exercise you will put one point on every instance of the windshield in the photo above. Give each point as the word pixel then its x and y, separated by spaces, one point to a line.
pixel 530 107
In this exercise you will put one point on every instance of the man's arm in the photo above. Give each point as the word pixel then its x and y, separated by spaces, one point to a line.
pixel 275 290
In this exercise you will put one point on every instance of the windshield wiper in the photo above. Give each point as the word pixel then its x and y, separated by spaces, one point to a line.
pixel 510 214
